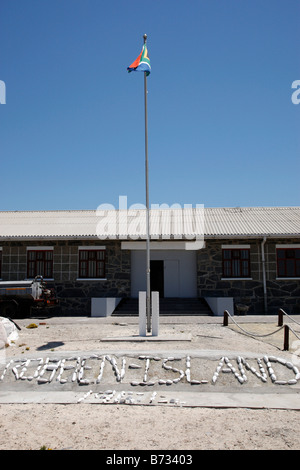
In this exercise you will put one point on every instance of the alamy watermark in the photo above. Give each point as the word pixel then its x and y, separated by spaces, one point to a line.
pixel 2 92
pixel 296 94
pixel 165 222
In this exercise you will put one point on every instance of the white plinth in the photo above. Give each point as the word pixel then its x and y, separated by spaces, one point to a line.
pixel 103 306
pixel 155 312
pixel 142 314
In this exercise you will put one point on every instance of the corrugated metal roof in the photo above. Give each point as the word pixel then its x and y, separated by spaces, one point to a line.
pixel 252 221
pixel 164 223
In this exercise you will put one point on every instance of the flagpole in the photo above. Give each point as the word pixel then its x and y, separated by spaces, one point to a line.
pixel 148 304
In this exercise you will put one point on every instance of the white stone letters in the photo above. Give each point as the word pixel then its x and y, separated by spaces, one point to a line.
pixel 147 371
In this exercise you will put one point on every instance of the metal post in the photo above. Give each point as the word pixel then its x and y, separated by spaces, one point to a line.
pixel 225 319
pixel 280 317
pixel 286 338
pixel 148 301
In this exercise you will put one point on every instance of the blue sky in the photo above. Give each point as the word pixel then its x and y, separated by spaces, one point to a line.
pixel 223 130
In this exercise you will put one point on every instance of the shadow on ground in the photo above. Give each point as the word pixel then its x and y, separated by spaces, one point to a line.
pixel 50 345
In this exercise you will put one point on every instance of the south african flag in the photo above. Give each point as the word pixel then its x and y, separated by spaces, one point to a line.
pixel 142 63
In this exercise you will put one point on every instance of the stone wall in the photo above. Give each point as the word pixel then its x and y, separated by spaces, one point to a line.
pixel 280 293
pixel 74 294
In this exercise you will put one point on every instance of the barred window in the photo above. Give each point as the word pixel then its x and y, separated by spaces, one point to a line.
pixel 236 263
pixel 92 264
pixel 40 263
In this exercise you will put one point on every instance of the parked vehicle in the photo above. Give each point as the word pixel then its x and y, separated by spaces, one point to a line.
pixel 19 299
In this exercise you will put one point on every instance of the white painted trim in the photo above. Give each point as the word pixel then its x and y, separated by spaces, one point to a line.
pixel 295 245
pixel 91 248
pixel 233 247
pixel 287 278
pixel 195 245
pixel 236 278
pixel 156 245
pixel 39 248
pixel 91 279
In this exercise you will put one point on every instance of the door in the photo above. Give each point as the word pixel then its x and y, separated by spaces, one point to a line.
pixel 157 276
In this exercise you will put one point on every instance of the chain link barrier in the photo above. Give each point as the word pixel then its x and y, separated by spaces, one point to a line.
pixel 286 328
pixel 281 313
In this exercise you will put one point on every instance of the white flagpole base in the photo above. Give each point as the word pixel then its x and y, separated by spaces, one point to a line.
pixel 155 312
pixel 142 314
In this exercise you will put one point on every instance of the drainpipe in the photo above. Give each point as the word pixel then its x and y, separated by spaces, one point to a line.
pixel 264 272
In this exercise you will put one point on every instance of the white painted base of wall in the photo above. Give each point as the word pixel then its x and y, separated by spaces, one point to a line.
pixel 219 304
pixel 103 306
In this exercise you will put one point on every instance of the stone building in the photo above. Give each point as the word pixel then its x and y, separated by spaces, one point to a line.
pixel 227 256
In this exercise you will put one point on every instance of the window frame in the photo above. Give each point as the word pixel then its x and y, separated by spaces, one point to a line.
pixel 83 274
pixel 232 274
pixel 43 250
pixel 287 249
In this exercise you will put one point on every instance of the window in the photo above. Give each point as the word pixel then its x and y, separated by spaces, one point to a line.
pixel 288 262
pixel 91 264
pixel 236 262
pixel 0 263
pixel 39 263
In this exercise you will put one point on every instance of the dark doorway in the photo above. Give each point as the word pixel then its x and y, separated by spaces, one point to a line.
pixel 157 277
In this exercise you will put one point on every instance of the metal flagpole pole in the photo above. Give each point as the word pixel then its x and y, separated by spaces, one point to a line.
pixel 148 306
